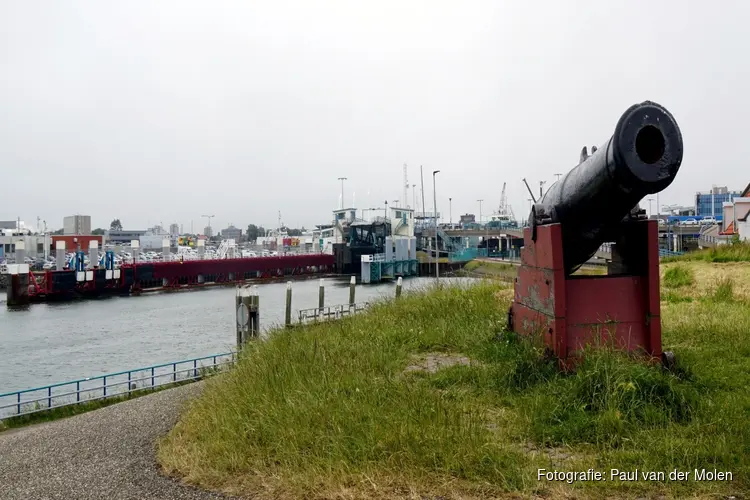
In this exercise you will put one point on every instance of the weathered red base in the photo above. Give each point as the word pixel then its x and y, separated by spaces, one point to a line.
pixel 620 309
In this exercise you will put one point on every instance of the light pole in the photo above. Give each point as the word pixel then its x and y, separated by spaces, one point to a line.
pixel 450 211
pixel 414 191
pixel 342 179
pixel 209 217
pixel 486 243
pixel 434 208
pixel 558 177
pixel 650 211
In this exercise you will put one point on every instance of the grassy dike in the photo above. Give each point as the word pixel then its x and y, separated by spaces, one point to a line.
pixel 429 396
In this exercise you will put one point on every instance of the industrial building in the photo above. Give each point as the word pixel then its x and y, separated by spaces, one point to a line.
pixel 153 239
pixel 709 204
pixel 174 229
pixel 77 224
pixel 36 246
pixel 8 224
pixel 124 237
pixel 75 242
pixel 467 219
pixel 208 232
pixel 735 222
pixel 231 233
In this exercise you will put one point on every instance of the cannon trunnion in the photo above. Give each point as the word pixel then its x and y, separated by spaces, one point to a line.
pixel 595 203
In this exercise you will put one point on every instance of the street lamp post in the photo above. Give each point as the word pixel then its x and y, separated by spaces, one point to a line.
pixel 450 212
pixel 480 221
pixel 342 179
pixel 434 208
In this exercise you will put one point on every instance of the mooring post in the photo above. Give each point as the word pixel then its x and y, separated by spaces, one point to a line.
pixel 254 320
pixel 321 294
pixel 240 318
pixel 399 284
pixel 59 255
pixel 352 286
pixel 288 317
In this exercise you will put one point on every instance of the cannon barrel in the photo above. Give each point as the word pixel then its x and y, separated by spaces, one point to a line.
pixel 641 158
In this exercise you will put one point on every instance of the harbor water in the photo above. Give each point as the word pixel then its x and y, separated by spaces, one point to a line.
pixel 48 343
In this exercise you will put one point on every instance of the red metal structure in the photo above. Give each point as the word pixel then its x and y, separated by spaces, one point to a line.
pixel 161 276
pixel 196 273
pixel 77 241
pixel 571 311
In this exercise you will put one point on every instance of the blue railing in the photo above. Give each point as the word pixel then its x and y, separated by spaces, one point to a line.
pixel 110 385
pixel 669 253
pixel 466 254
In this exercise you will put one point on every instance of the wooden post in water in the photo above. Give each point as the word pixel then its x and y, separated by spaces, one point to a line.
pixel 247 302
pixel 322 294
pixel 254 322
pixel 288 316
pixel 352 285
pixel 399 284
pixel 241 317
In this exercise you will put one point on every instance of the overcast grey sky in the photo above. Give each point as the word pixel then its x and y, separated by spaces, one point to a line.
pixel 163 111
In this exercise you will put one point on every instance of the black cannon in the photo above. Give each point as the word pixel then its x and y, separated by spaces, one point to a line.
pixel 598 202
pixel 641 158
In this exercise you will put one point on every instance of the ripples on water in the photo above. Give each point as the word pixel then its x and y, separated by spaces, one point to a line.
pixel 49 343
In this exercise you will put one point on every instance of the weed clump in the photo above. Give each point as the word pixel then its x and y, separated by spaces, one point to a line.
pixel 678 276
pixel 724 291
pixel 610 396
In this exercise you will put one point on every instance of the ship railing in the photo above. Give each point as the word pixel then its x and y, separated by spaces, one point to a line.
pixel 327 313
pixel 112 385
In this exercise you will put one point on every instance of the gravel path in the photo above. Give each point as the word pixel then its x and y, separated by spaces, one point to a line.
pixel 104 454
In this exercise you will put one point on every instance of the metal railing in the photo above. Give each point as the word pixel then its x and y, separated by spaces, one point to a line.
pixel 111 385
pixel 327 313
pixel 606 248
pixel 467 254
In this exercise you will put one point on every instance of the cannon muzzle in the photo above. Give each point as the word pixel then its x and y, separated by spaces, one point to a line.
pixel 641 158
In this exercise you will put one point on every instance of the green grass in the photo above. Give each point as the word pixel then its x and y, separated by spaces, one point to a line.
pixel 678 276
pixel 734 252
pixel 488 267
pixel 331 411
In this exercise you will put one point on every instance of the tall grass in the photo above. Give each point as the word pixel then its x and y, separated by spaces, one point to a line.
pixel 330 411
pixel 678 276
pixel 734 252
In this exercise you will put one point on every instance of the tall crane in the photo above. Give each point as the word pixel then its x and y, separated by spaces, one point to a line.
pixel 505 208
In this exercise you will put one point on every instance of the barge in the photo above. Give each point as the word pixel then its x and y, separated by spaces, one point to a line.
pixel 27 286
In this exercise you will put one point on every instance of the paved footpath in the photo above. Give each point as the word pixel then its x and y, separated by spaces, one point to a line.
pixel 104 454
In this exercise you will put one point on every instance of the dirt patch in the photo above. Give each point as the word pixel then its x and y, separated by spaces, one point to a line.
pixel 434 361
pixel 556 455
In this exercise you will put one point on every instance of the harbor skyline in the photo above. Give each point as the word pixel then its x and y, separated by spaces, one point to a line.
pixel 251 109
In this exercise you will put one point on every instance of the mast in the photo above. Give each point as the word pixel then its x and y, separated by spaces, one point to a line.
pixel 406 188
pixel 421 174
